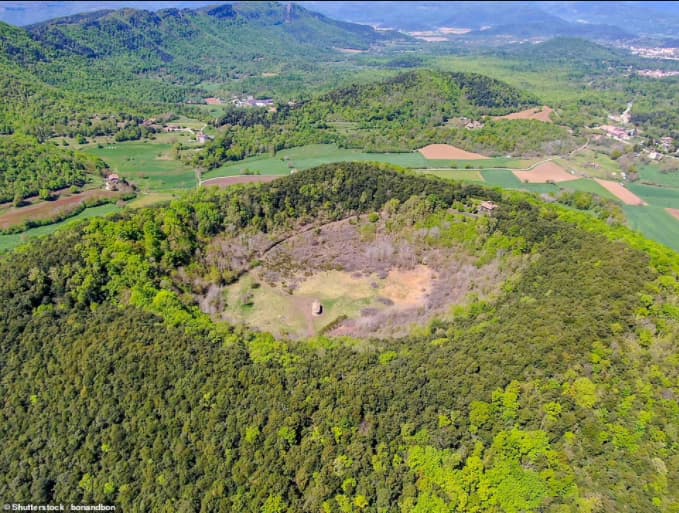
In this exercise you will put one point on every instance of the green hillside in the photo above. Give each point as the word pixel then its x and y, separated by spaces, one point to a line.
pixel 557 392
pixel 397 114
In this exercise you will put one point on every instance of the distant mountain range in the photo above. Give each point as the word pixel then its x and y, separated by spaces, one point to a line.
pixel 596 20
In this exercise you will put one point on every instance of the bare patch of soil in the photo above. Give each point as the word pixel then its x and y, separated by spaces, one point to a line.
pixel 50 209
pixel 625 195
pixel 674 212
pixel 549 172
pixel 448 152
pixel 538 113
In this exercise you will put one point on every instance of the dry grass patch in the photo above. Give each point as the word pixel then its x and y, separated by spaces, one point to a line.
pixel 448 152
pixel 543 114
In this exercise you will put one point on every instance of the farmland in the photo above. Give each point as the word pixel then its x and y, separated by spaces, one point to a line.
pixel 150 166
pixel 16 239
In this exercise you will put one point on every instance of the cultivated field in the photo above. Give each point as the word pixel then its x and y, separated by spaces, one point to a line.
pixel 51 209
pixel 448 152
pixel 674 212
pixel 545 173
pixel 306 157
pixel 656 223
pixel 16 239
pixel 148 165
pixel 658 196
pixel 623 194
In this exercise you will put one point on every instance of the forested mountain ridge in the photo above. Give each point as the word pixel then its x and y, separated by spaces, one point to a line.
pixel 192 45
pixel 557 395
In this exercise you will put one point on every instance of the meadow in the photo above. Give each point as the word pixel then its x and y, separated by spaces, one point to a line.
pixel 149 165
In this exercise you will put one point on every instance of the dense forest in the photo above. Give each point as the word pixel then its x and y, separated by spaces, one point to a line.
pixel 557 395
pixel 28 168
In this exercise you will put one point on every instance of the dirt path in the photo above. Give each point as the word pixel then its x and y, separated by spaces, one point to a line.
pixel 674 212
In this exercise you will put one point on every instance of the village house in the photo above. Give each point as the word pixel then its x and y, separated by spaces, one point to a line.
pixel 487 207
pixel 112 182
pixel 203 138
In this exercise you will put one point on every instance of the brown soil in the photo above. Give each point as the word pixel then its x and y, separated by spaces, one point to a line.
pixel 538 113
pixel 674 212
pixel 234 180
pixel 626 196
pixel 448 152
pixel 545 173
pixel 49 209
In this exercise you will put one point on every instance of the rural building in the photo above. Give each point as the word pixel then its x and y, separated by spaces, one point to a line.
pixel 316 308
pixel 112 182
pixel 203 138
pixel 487 207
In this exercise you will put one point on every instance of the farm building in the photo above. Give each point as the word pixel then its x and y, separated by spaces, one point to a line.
pixel 203 138
pixel 487 207
pixel 112 182
pixel 316 308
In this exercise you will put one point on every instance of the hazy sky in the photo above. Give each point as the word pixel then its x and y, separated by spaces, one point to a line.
pixel 24 13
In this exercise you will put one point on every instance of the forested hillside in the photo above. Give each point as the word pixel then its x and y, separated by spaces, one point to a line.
pixel 28 167
pixel 557 394
pixel 401 113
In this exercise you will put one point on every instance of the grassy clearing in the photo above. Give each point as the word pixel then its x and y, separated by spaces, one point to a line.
pixel 590 163
pixel 148 165
pixel 16 239
pixel 146 200
pixel 272 309
pixel 495 162
pixel 454 174
pixel 655 223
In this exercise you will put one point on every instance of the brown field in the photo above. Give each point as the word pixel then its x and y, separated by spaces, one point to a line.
pixel 50 209
pixel 545 173
pixel 538 113
pixel 234 180
pixel 448 152
pixel 627 197
pixel 674 212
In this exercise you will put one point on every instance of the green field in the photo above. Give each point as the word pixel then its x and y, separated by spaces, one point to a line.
pixel 655 223
pixel 148 165
pixel 652 173
pixel 456 174
pixel 592 164
pixel 657 196
pixel 492 163
pixel 501 178
pixel 305 157
pixel 16 239
pixel 587 185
